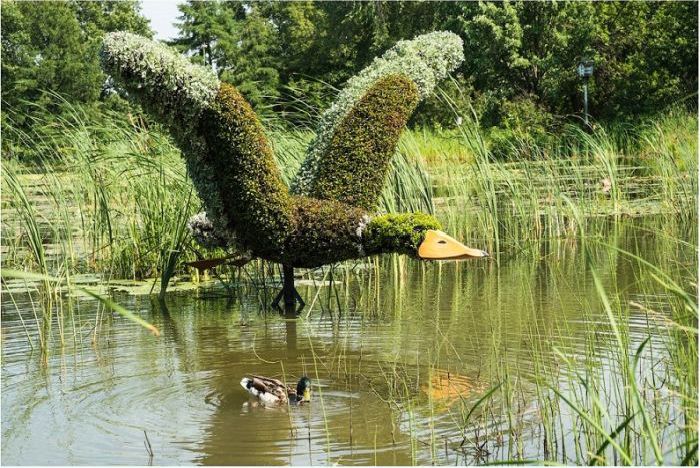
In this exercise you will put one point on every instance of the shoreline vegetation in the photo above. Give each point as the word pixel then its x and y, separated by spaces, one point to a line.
pixel 125 183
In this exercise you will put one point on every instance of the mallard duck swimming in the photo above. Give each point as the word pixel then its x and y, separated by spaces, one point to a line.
pixel 271 392
pixel 330 213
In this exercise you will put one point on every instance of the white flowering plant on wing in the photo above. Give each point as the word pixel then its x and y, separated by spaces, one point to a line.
pixel 167 81
pixel 426 59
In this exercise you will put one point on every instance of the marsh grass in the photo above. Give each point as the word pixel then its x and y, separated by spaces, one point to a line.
pixel 621 389
pixel 120 188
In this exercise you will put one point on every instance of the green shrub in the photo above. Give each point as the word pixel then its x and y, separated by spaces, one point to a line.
pixel 523 126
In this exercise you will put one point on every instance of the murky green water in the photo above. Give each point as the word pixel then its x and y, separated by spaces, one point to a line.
pixel 397 360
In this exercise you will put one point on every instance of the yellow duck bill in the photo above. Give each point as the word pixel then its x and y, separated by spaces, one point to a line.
pixel 439 246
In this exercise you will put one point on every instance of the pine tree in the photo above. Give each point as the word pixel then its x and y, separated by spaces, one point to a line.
pixel 53 46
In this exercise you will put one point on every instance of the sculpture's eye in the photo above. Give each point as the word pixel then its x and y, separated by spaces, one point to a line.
pixel 442 242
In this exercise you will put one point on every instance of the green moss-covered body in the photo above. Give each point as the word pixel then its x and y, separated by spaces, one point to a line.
pixel 400 233
pixel 325 231
pixel 359 155
pixel 254 200
pixel 329 231
pixel 232 166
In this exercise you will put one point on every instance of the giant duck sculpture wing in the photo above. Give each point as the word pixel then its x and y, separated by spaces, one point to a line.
pixel 358 153
pixel 329 216
pixel 357 136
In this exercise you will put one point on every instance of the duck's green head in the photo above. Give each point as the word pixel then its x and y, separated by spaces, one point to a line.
pixel 416 234
pixel 304 389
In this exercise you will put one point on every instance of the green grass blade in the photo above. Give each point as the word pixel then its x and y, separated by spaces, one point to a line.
pixel 480 401
pixel 110 304
pixel 691 457
pixel 623 454
pixel 593 460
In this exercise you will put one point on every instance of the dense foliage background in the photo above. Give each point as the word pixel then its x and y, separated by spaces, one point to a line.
pixel 287 57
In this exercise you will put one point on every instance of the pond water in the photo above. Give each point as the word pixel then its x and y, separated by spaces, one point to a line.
pixel 398 357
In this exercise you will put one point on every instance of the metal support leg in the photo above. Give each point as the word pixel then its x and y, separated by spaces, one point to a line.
pixel 289 295
pixel 288 292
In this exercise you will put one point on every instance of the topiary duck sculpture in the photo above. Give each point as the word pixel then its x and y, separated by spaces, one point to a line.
pixel 329 214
